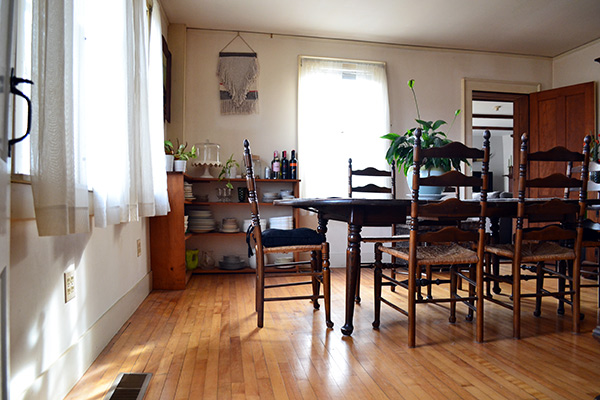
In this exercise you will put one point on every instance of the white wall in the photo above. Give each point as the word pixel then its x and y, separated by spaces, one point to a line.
pixel 53 342
pixel 438 85
pixel 579 67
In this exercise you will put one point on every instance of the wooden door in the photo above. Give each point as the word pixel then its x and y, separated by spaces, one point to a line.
pixel 560 117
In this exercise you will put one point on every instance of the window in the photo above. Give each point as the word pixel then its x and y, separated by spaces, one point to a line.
pixel 97 112
pixel 343 110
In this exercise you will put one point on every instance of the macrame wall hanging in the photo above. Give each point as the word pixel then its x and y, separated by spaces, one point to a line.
pixel 238 76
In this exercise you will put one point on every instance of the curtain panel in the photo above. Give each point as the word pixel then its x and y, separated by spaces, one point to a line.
pixel 104 111
pixel 343 110
pixel 58 173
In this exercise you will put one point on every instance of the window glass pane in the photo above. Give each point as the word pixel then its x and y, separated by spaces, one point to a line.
pixel 21 151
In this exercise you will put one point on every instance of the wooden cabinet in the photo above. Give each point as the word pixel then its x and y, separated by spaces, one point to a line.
pixel 167 240
pixel 219 243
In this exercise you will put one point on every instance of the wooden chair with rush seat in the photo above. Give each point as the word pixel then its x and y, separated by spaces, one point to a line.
pixel 441 244
pixel 590 266
pixel 278 241
pixel 554 234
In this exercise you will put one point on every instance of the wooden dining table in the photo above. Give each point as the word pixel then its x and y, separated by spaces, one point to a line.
pixel 358 213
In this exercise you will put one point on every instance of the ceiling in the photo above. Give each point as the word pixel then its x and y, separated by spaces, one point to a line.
pixel 546 28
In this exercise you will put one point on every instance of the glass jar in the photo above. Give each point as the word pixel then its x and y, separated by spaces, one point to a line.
pixel 257 167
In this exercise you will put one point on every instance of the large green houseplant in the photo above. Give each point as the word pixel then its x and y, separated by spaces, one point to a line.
pixel 401 146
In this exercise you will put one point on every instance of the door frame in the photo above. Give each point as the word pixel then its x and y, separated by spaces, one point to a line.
pixel 487 85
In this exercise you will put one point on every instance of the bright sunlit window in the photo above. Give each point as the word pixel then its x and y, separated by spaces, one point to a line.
pixel 343 110
pixel 20 152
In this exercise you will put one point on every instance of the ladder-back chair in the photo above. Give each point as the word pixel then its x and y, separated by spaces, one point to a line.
pixel 441 244
pixel 378 185
pixel 554 234
pixel 590 269
pixel 279 241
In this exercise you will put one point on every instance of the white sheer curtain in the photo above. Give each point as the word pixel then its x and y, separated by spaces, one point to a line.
pixel 343 110
pixel 125 120
pixel 97 70
pixel 58 172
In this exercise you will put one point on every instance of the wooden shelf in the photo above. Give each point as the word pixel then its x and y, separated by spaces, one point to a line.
pixel 222 203
pixel 199 271
pixel 190 234
pixel 189 178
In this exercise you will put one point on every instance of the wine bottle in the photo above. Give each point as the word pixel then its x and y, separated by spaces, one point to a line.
pixel 285 166
pixel 293 166
pixel 275 166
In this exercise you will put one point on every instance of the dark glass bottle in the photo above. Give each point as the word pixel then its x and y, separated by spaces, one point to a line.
pixel 293 166
pixel 275 166
pixel 285 166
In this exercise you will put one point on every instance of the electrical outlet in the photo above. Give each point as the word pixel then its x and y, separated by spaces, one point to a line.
pixel 69 286
pixel 139 247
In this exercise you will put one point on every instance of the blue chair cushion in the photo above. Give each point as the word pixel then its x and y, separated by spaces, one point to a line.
pixel 291 237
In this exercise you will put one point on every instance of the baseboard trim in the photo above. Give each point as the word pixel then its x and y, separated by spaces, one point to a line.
pixel 65 372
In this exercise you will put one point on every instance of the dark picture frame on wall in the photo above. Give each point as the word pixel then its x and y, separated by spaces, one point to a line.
pixel 166 80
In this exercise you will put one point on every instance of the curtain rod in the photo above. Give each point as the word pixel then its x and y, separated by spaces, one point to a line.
pixel 358 41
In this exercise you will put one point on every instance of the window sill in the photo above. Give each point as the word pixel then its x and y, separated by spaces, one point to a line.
pixel 20 178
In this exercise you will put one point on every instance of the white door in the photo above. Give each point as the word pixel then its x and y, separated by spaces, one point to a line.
pixel 6 23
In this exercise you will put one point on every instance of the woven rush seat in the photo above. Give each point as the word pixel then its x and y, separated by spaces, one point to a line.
pixel 292 249
pixel 533 252
pixel 428 255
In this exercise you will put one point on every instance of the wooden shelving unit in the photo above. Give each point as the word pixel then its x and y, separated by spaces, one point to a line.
pixel 232 243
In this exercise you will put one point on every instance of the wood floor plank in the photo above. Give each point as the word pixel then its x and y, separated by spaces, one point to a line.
pixel 203 343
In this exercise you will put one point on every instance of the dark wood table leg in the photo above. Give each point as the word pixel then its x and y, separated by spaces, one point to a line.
pixel 495 228
pixel 352 271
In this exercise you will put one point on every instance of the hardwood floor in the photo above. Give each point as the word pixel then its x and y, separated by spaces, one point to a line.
pixel 203 343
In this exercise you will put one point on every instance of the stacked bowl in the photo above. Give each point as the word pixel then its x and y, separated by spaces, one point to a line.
pixel 187 191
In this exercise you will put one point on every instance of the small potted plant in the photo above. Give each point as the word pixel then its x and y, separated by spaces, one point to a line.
pixel 401 146
pixel 182 156
pixel 169 157
pixel 229 171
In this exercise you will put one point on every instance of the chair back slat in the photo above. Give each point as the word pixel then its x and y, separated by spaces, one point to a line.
pixel 452 178
pixel 555 180
pixel 449 234
pixel 451 207
pixel 452 150
pixel 558 153
pixel 371 188
pixel 551 232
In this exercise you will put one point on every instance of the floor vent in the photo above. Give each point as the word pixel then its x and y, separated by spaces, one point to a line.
pixel 129 387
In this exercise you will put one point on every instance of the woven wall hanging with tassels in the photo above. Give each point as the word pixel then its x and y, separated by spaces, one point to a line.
pixel 238 81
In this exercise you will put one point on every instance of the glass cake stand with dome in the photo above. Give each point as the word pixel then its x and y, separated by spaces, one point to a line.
pixel 208 155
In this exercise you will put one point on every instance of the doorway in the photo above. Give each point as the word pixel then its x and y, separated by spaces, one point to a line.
pixel 502 114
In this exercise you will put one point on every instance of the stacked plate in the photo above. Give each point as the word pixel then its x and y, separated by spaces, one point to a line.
pixel 200 221
pixel 232 263
pixel 268 197
pixel 281 222
pixel 187 191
